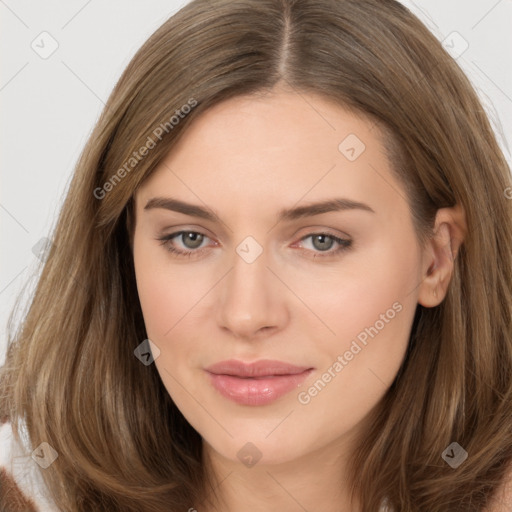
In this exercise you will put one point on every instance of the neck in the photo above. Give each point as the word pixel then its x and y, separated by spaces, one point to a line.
pixel 315 481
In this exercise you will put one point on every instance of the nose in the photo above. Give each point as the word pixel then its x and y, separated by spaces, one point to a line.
pixel 252 300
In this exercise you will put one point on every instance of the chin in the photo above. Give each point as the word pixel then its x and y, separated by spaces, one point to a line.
pixel 255 448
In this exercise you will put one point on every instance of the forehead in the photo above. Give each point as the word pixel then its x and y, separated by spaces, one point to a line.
pixel 280 148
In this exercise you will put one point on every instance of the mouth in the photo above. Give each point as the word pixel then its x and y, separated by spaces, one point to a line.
pixel 258 383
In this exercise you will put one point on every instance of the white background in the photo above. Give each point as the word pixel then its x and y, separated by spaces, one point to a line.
pixel 49 106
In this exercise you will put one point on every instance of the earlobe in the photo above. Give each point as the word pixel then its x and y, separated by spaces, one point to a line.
pixel 449 231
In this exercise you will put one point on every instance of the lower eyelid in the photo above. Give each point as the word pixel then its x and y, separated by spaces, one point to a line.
pixel 343 244
pixel 178 234
pixel 337 239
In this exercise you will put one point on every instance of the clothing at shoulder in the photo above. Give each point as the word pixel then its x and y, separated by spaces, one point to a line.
pixel 22 488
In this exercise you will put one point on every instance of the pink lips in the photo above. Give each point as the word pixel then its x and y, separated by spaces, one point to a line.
pixel 257 383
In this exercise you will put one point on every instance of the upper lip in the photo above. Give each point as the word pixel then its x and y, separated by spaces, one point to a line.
pixel 262 368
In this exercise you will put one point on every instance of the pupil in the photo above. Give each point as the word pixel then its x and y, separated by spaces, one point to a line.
pixel 322 239
pixel 195 238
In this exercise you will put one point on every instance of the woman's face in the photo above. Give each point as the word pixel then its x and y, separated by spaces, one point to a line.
pixel 249 283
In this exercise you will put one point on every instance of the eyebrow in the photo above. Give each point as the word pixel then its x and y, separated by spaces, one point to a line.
pixel 287 214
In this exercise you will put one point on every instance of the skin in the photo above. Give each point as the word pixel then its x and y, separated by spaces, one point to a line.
pixel 246 159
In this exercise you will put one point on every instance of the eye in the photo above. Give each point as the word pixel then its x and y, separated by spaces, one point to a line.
pixel 191 240
pixel 192 243
pixel 323 242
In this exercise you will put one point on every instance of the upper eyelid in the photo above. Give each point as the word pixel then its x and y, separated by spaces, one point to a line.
pixel 311 233
pixel 204 231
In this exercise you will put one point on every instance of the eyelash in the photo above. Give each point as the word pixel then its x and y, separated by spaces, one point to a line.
pixel 344 245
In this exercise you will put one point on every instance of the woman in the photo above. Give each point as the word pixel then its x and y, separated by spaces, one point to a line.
pixel 281 278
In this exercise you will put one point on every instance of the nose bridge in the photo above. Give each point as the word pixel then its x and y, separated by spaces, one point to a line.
pixel 250 299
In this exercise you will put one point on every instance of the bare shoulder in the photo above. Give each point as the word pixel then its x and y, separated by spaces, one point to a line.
pixel 502 501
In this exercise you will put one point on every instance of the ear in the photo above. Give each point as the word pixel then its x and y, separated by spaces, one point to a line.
pixel 450 229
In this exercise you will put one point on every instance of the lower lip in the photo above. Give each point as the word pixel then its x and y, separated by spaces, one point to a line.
pixel 260 391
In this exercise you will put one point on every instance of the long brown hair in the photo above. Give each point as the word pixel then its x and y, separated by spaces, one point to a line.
pixel 71 373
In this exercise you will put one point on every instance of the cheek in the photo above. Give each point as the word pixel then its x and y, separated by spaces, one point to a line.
pixel 360 368
pixel 166 304
pixel 365 285
pixel 170 298
pixel 369 308
pixel 165 291
pixel 156 301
